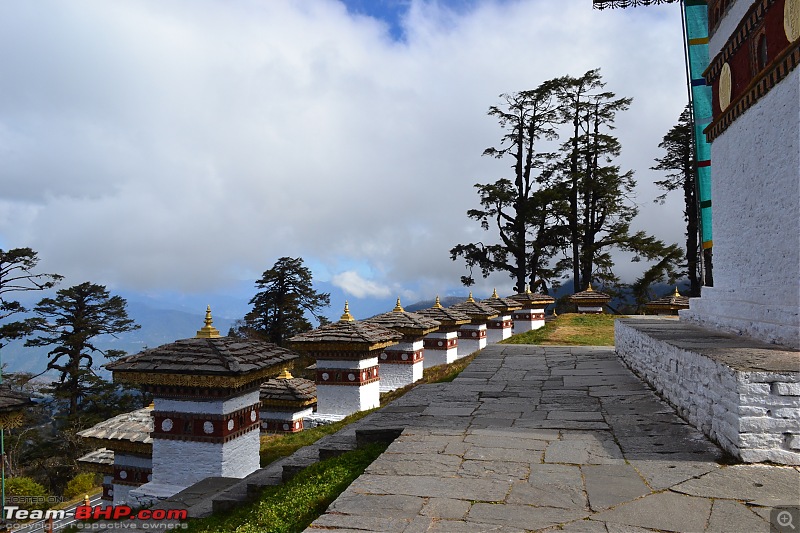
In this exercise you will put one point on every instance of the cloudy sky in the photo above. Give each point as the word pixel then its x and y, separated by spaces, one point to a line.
pixel 175 149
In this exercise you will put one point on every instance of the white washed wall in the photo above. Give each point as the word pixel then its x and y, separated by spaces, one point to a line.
pixel 753 415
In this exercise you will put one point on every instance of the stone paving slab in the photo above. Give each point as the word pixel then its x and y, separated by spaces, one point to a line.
pixel 552 439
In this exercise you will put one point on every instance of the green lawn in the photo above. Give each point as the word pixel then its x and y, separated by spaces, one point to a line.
pixel 294 505
pixel 572 329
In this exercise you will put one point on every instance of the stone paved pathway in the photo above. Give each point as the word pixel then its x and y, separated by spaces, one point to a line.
pixel 534 438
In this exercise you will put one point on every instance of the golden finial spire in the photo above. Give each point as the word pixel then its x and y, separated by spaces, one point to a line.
pixel 438 303
pixel 676 291
pixel 346 316
pixel 470 299
pixel 554 313
pixel 527 288
pixel 285 374
pixel 494 293
pixel 590 289
pixel 398 308
pixel 208 331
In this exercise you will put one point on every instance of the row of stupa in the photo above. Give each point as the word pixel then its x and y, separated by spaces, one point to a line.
pixel 212 394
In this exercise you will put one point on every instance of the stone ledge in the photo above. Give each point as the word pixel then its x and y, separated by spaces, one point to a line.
pixel 733 389
pixel 737 352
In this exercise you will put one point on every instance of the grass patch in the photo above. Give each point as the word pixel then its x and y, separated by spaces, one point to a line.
pixel 274 447
pixel 571 329
pixel 294 505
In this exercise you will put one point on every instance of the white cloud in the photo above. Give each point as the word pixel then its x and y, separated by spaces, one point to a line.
pixel 177 144
pixel 352 282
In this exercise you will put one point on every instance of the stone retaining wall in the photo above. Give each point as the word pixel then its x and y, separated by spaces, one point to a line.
pixel 742 394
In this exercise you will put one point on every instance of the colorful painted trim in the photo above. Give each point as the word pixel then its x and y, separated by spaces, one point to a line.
pixel 131 475
pixel 472 334
pixel 616 4
pixel 140 448
pixel 697 36
pixel 401 357
pixel 440 344
pixel 202 427
pixel 529 314
pixel 500 324
pixel 271 425
pixel 322 355
pixel 757 56
pixel 352 377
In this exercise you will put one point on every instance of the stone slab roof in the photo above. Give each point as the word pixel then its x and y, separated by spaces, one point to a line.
pixel 504 305
pixel 590 297
pixel 475 310
pixel 132 427
pixel 446 316
pixel 405 322
pixel 532 300
pixel 103 458
pixel 346 334
pixel 671 302
pixel 289 391
pixel 220 356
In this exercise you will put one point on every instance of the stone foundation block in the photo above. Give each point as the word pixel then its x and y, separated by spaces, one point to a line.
pixel 739 392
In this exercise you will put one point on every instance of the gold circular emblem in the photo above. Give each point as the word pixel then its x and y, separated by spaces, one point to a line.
pixel 725 87
pixel 791 19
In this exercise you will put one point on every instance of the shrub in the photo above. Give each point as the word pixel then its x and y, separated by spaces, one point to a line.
pixel 27 494
pixel 80 485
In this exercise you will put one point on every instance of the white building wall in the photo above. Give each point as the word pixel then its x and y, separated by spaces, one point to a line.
pixel 121 494
pixel 753 415
pixel 395 376
pixel 443 356
pixel 523 321
pixel 756 223
pixel 343 400
pixel 240 456
pixel 495 334
pixel 205 459
pixel 285 415
pixel 472 339
pixel 213 407
pixel 736 10
pixel 337 363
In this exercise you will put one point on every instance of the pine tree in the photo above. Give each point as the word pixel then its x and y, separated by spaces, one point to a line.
pixel 279 308
pixel 523 208
pixel 599 217
pixel 16 275
pixel 679 163
pixel 70 322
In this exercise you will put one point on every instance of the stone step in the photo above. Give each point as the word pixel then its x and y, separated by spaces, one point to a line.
pixel 301 459
pixel 335 445
pixel 385 435
pixel 268 476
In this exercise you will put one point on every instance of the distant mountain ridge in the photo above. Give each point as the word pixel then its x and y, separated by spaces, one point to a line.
pixel 158 326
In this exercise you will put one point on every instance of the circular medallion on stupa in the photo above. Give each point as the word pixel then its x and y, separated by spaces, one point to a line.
pixel 725 87
pixel 791 19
